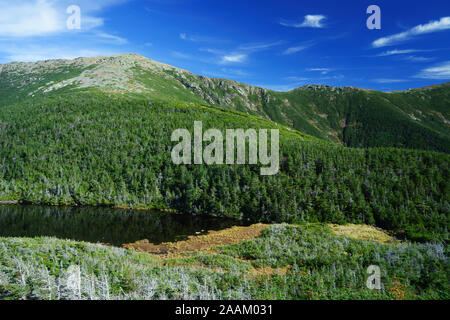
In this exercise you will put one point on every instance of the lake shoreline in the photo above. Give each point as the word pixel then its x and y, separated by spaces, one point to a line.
pixel 114 226
pixel 123 207
pixel 8 202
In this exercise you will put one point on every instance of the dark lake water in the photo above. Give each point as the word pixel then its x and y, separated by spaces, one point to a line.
pixel 106 225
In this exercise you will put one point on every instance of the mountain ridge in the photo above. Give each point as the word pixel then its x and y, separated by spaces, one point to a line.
pixel 91 141
pixel 350 116
pixel 96 59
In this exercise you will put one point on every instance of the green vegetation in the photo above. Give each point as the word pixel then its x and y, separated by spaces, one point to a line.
pixel 100 149
pixel 413 119
pixel 317 264
pixel 18 84
pixel 96 131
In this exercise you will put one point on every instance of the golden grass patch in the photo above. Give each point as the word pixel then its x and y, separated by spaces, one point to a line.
pixel 204 243
pixel 362 232
pixel 268 271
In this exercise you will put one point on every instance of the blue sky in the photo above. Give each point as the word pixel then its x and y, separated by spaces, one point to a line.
pixel 279 44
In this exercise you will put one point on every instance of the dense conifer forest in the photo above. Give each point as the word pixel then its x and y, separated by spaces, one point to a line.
pixel 101 149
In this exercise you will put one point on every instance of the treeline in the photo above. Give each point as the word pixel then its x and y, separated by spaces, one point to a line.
pixel 98 149
pixel 360 118
pixel 377 122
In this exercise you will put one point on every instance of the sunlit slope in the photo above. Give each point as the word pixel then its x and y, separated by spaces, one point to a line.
pixel 414 119
pixel 97 148
pixel 124 74
pixel 306 262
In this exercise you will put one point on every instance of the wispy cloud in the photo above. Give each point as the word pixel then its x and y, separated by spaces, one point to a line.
pixel 198 38
pixel 242 52
pixel 418 59
pixel 310 21
pixel 260 46
pixel 111 38
pixel 32 18
pixel 321 70
pixel 296 49
pixel 384 80
pixel 234 58
pixel 396 52
pixel 437 72
pixel 213 51
pixel 28 19
pixel 227 73
pixel 433 26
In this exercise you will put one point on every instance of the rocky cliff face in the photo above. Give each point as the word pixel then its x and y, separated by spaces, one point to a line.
pixel 226 92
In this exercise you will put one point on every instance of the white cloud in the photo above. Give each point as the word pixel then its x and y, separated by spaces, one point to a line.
pixel 241 53
pixel 418 59
pixel 310 21
pixel 92 6
pixel 433 26
pixel 389 80
pixel 254 47
pixel 213 51
pixel 226 73
pixel 112 38
pixel 395 52
pixel 321 70
pixel 30 18
pixel 199 38
pixel 234 58
pixel 24 23
pixel 293 50
pixel 438 72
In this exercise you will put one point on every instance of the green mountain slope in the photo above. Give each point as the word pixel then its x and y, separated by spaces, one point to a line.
pixel 317 264
pixel 96 131
pixel 97 148
pixel 415 119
